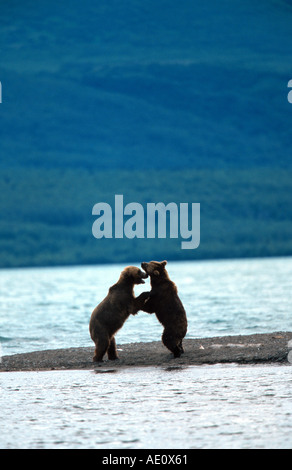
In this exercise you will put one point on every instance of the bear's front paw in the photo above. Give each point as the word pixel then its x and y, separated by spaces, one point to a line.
pixel 144 296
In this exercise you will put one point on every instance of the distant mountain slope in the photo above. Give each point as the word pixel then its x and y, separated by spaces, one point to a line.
pixel 46 215
pixel 164 84
pixel 159 101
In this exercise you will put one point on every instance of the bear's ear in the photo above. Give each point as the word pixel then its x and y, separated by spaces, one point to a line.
pixel 156 273
pixel 164 263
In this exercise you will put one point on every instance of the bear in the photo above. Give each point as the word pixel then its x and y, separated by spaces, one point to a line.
pixel 164 301
pixel 110 315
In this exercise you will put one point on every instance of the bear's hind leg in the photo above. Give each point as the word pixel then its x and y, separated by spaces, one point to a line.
pixel 181 346
pixel 171 343
pixel 101 347
pixel 112 350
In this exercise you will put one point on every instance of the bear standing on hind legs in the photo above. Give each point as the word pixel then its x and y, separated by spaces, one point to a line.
pixel 110 315
pixel 165 302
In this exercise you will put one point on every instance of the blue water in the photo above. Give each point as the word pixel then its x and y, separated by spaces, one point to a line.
pixel 220 406
pixel 48 308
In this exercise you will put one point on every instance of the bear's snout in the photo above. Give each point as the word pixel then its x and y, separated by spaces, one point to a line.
pixel 142 276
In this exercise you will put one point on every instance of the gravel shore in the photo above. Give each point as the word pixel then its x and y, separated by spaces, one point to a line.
pixel 245 349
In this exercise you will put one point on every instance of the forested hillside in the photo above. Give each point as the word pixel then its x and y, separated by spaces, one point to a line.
pixel 158 101
pixel 46 216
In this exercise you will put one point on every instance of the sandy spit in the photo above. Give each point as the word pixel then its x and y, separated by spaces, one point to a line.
pixel 245 349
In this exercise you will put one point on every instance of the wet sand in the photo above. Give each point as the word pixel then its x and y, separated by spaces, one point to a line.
pixel 245 349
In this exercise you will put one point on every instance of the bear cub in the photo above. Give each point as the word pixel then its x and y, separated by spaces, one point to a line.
pixel 164 301
pixel 110 315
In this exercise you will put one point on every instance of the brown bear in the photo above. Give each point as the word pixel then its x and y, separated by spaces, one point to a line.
pixel 110 315
pixel 164 301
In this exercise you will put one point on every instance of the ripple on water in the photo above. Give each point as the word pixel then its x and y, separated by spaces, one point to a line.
pixel 195 407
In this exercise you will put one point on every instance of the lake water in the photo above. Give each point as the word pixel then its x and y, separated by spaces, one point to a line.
pixel 48 308
pixel 220 406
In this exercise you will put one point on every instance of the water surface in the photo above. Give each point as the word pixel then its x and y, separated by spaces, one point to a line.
pixel 48 308
pixel 220 406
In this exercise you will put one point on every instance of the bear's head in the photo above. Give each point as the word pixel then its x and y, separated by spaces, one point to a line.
pixel 133 275
pixel 155 269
